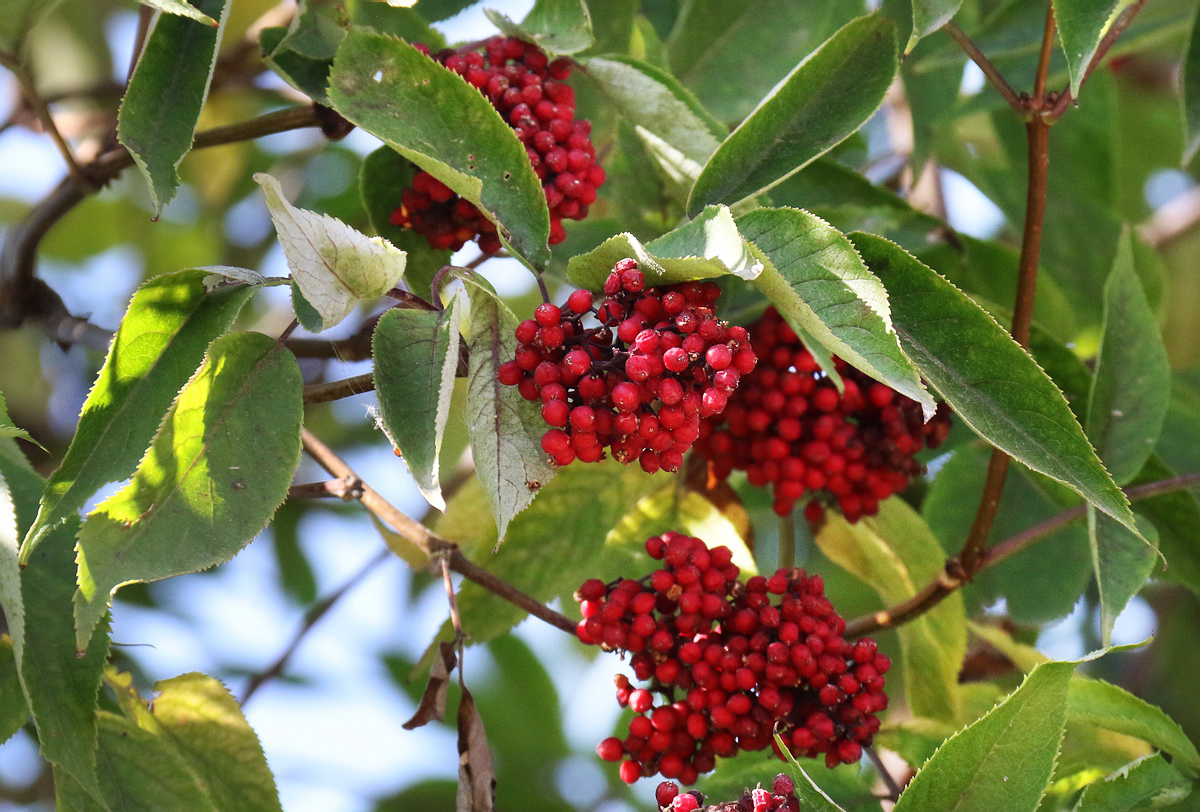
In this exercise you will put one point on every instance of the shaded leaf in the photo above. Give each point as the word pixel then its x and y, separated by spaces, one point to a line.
pixel 812 798
pixel 1148 783
pixel 506 430
pixel 416 358
pixel 476 776
pixel 19 16
pixel 817 281
pixel 334 265
pixel 825 98
pixel 218 468
pixel 1190 90
pixel 169 323
pixel 181 8
pixel 1176 518
pixel 448 129
pixel 14 710
pixel 166 92
pixel 990 382
pixel 10 429
pixel 1121 561
pixel 1081 26
pixel 433 701
pixel 306 74
pixel 897 554
pixel 1113 708
pixel 557 26
pixel 930 15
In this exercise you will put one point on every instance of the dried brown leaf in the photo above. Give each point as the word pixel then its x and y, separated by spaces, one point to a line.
pixel 476 775
pixel 433 701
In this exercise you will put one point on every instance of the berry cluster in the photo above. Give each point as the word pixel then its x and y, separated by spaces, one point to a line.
pixel 637 384
pixel 733 664
pixel 531 94
pixel 788 426
pixel 780 797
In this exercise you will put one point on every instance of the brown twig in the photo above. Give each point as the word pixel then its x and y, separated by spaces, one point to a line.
pixel 29 89
pixel 348 489
pixel 985 65
pixel 336 390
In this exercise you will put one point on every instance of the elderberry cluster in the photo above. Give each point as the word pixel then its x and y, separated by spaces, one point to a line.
pixel 780 797
pixel 727 665
pixel 787 426
pixel 531 93
pixel 640 382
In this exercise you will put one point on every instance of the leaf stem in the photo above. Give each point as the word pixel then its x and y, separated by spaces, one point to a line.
pixel 985 65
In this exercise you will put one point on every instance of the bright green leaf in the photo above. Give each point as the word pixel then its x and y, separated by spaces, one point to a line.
pixel 416 358
pixel 704 248
pixel 557 26
pixel 1126 408
pixel 812 798
pixel 448 129
pixel 989 381
pixel 1121 561
pixel 824 99
pixel 168 87
pixel 817 281
pixel 506 430
pixel 334 265
pixel 218 468
pixel 169 323
pixel 1081 26
pixel 1113 708
pixel 181 8
pixel 1148 783
pixel 897 554
pixel 930 15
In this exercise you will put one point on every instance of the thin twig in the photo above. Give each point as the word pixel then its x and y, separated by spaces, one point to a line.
pixel 348 489
pixel 884 774
pixel 989 70
pixel 42 110
pixel 336 390
pixel 1039 80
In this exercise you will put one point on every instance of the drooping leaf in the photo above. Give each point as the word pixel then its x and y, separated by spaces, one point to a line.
pixel 818 282
pixel 448 129
pixel 416 358
pixel 930 15
pixel 168 87
pixel 812 798
pixel 897 554
pixel 506 430
pixel 1148 783
pixel 1081 26
pixel 1121 561
pixel 181 8
pixel 170 321
pixel 334 265
pixel 1113 708
pixel 218 468
pixel 1126 408
pixel 10 429
pixel 1005 759
pixel 706 247
pixel 433 701
pixel 476 775
pixel 989 381
pixel 824 99
pixel 556 26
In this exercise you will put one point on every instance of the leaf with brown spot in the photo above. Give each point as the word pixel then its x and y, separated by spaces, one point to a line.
pixel 433 701
pixel 476 775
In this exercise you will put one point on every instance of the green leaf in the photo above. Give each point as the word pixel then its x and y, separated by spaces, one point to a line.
pixel 1113 708
pixel 1176 515
pixel 1148 783
pixel 335 266
pixel 506 430
pixel 1122 561
pixel 10 429
pixel 897 554
pixel 218 468
pixel 930 15
pixel 14 710
pixel 655 102
pixel 309 76
pixel 824 99
pixel 990 382
pixel 448 129
pixel 817 281
pixel 1190 90
pixel 19 16
pixel 704 248
pixel 1081 26
pixel 1126 408
pixel 1002 761
pixel 166 92
pixel 169 323
pixel 181 8
pixel 812 798
pixel 416 358
pixel 557 26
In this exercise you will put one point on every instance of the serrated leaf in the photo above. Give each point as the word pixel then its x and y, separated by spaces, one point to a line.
pixel 1121 562
pixel 506 430
pixel 10 429
pixel 812 798
pixel 704 248
pixel 166 92
pixel 930 15
pixel 218 468
pixel 1002 761
pixel 824 99
pixel 448 129
pixel 1148 783
pixel 557 26
pixel 897 554
pixel 305 74
pixel 181 8
pixel 335 266
pixel 14 710
pixel 992 384
pixel 169 323
pixel 416 358
pixel 1113 708
pixel 1081 26
pixel 1126 408
pixel 817 281
pixel 656 102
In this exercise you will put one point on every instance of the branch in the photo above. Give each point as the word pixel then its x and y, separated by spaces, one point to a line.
pixel 336 390
pixel 989 70
pixel 948 580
